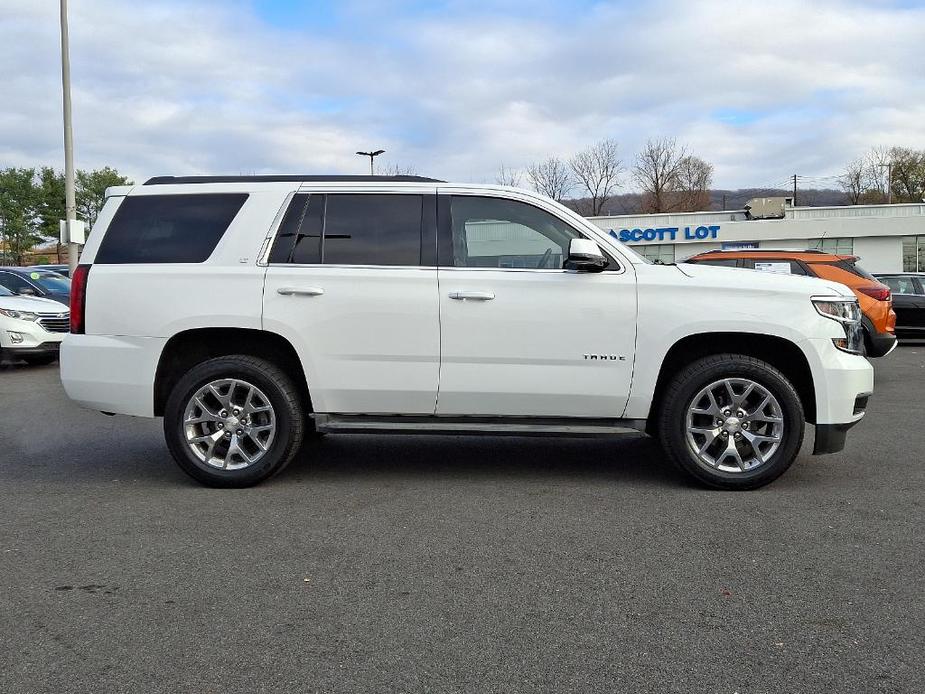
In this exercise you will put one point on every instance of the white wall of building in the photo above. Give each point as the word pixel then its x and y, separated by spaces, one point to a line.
pixel 875 231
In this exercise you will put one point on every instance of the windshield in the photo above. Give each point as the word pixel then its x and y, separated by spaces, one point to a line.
pixel 51 281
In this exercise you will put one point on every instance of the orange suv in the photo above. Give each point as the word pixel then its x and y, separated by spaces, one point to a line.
pixel 874 297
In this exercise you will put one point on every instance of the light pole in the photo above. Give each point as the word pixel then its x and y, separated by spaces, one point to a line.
pixel 371 155
pixel 70 205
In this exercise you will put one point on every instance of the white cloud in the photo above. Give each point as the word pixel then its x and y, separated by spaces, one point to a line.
pixel 209 87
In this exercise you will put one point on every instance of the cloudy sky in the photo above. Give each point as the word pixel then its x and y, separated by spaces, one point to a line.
pixel 760 89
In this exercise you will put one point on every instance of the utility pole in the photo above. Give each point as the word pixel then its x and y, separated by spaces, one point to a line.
pixel 889 182
pixel 70 204
pixel 794 190
pixel 371 155
pixel 724 202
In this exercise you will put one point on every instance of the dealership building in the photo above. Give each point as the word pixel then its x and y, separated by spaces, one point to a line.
pixel 887 238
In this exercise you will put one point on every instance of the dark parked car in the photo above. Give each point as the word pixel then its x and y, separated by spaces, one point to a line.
pixel 27 281
pixel 60 269
pixel 908 302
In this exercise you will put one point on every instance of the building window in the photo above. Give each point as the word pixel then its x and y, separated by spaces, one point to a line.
pixel 663 252
pixel 836 246
pixel 914 254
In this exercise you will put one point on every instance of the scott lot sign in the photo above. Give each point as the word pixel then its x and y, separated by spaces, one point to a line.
pixel 663 234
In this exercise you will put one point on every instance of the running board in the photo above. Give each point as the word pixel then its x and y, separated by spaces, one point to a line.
pixel 495 426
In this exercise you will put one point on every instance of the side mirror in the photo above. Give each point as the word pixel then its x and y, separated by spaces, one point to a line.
pixel 27 291
pixel 584 256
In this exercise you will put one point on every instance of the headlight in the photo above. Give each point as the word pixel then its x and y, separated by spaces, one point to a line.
pixel 848 314
pixel 20 315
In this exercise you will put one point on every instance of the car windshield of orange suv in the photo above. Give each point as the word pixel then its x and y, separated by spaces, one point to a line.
pixel 873 296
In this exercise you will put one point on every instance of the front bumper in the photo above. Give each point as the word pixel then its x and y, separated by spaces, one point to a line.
pixel 26 337
pixel 876 343
pixel 843 383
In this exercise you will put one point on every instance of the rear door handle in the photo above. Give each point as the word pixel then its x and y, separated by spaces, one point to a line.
pixel 300 291
pixel 474 296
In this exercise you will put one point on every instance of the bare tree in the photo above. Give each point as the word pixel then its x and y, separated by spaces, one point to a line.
pixel 597 171
pixel 854 180
pixel 508 177
pixel 551 178
pixel 693 181
pixel 400 170
pixel 656 172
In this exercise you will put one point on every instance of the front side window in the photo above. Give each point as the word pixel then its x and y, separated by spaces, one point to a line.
pixel 499 233
pixel 900 285
pixel 52 282
pixel 168 228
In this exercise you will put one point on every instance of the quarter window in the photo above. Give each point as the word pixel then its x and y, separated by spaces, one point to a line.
pixel 168 228
pixel 499 233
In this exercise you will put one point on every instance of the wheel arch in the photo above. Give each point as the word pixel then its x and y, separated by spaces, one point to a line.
pixel 779 352
pixel 190 347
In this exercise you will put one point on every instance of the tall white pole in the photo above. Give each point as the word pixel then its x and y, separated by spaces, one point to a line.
pixel 70 204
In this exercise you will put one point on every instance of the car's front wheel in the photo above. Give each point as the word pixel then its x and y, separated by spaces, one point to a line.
pixel 731 421
pixel 234 421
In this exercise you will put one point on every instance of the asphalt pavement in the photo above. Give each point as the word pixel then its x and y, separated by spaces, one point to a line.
pixel 455 564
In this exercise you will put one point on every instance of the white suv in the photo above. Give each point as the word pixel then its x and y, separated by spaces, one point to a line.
pixel 252 312
pixel 31 327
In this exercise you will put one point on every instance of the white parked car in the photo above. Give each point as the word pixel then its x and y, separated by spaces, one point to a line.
pixel 31 328
pixel 251 312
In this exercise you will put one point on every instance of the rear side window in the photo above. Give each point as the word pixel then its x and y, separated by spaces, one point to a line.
pixel 372 230
pixel 350 229
pixel 168 228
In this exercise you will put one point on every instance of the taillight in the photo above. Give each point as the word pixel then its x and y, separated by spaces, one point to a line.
pixel 79 299
pixel 880 293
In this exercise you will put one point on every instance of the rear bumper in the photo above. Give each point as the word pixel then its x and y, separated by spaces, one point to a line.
pixel 111 374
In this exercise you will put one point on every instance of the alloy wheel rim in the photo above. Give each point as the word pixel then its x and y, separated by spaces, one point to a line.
pixel 734 425
pixel 229 424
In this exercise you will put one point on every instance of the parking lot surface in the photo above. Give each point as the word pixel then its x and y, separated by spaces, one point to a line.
pixel 450 564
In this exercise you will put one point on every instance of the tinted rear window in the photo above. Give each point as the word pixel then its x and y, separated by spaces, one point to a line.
pixel 168 228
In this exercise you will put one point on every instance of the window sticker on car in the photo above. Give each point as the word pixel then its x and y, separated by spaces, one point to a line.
pixel 779 268
pixel 34 275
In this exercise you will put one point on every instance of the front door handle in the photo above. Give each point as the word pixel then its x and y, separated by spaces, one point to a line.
pixel 474 296
pixel 300 291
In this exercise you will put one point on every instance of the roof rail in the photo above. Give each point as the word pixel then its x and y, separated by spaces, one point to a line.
pixel 764 250
pixel 278 178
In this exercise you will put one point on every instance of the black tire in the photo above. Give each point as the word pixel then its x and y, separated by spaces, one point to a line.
pixel 679 396
pixel 279 390
pixel 39 359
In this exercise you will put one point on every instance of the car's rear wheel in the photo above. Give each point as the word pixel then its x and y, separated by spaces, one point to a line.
pixel 234 421
pixel 731 421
